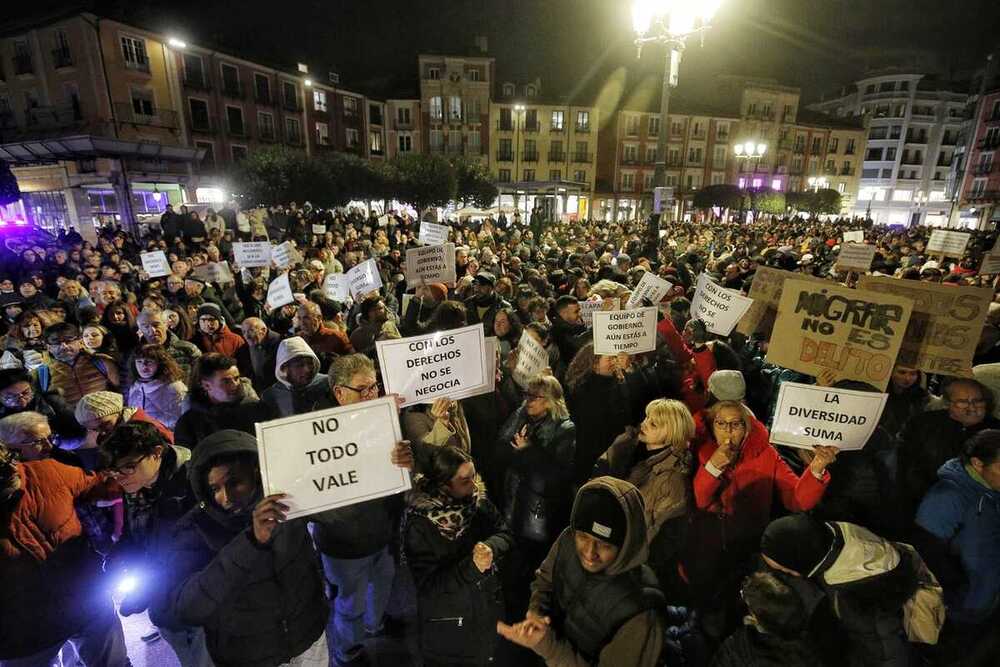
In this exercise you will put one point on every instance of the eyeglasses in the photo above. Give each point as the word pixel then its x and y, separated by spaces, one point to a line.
pixel 37 443
pixel 63 341
pixel 730 426
pixel 966 403
pixel 124 471
pixel 20 397
pixel 364 391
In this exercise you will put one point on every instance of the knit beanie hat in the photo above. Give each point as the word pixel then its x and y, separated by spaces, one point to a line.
pixel 439 290
pixel 727 385
pixel 797 542
pixel 599 513
pixel 210 309
pixel 98 404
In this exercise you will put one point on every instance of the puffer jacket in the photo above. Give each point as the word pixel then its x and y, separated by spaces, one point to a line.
pixel 164 401
pixel 260 605
pixel 201 419
pixel 284 399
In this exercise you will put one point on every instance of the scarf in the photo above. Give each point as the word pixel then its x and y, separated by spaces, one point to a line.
pixel 451 516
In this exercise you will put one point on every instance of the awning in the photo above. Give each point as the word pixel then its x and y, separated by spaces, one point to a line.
pixel 42 151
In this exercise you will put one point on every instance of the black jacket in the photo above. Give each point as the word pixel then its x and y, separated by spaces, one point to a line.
pixel 458 606
pixel 260 605
pixel 50 403
pixel 569 338
pixel 201 421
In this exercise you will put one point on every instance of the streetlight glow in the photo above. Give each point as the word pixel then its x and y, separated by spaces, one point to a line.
pixel 761 148
pixel 680 16
pixel 518 107
pixel 177 43
pixel 308 82
pixel 751 150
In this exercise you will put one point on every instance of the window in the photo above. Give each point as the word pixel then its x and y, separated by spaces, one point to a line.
pixel 261 88
pixel 265 126
pixel 503 175
pixel 672 181
pixel 200 120
pixel 350 106
pixel 208 160
pixel 841 187
pixel 719 157
pixel 434 73
pixel 505 149
pixel 506 119
pixel 230 80
pixel 890 153
pixel 530 91
pixel 583 121
pixel 472 111
pixel 874 154
pixel 697 131
pixel 322 134
pixel 653 126
pixel 436 110
pixel 557 120
pixel 978 187
pixel 133 51
pixel 776 184
pixel 293 130
pixel 817 144
pixel 834 145
pixel 902 195
pixel 579 176
pixel 437 140
pixel 694 155
pixel 632 126
pixel 142 103
pixel 61 54
pixel 904 85
pixel 238 152
pixel 555 175
pixel 581 152
pixel 508 89
pixel 529 174
pixel 291 93
pixel 375 143
pixel 531 120
pixel 405 143
pixel 722 132
pixel 455 108
pixel 718 179
pixel 676 127
pixel 673 157
pixel 530 149
pixel 766 111
pixel 647 181
pixel 71 92
pixel 319 100
pixel 869 89
pixel 454 142
pixel 628 181
pixel 234 121
pixel 849 150
pixel 194 70
pixel 472 75
pixel 650 154
pixel 630 154
pixel 403 115
pixel 352 137
pixel 473 144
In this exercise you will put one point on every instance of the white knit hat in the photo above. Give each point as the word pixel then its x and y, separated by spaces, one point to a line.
pixel 98 404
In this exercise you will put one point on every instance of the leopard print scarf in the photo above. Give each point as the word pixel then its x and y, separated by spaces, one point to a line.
pixel 451 517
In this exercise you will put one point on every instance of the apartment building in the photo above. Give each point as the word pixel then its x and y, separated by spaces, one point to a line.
pixel 455 94
pixel 979 196
pixel 404 127
pixel 913 127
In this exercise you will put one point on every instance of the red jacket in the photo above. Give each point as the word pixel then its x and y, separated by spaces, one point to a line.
pixel 698 365
pixel 224 341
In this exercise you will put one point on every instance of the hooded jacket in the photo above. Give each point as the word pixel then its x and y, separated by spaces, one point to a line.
pixel 260 605
pixel 286 400
pixel 616 610
pixel 964 515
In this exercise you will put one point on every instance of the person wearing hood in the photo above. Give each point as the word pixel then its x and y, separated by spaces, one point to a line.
pixel 958 527
pixel 593 600
pixel 154 477
pixel 300 387
pixel 235 568
pixel 219 399
pixel 867 580
pixel 262 344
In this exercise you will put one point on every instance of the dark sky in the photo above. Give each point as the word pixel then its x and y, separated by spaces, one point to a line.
pixel 816 44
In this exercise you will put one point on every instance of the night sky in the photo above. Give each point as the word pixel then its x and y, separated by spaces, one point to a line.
pixel 816 44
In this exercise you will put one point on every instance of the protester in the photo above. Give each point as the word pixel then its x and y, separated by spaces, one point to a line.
pixel 18 393
pixel 156 385
pixel 75 372
pixel 262 344
pixel 300 386
pixel 219 399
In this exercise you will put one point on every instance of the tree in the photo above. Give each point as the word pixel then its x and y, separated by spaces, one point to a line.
pixel 826 201
pixel 767 201
pixel 425 180
pixel 474 186
pixel 721 196
pixel 9 191
pixel 274 175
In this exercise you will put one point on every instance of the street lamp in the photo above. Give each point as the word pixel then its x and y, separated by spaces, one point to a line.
pixel 669 22
pixel 177 43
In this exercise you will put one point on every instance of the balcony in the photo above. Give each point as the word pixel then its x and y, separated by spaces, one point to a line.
pixel 193 82
pixel 984 196
pixel 504 156
pixel 23 64
pixel 830 171
pixel 722 138
pixel 912 161
pixel 234 91
pixel 674 164
pixel 203 124
pixel 632 131
pixel 530 157
pixel 127 113
pixel 139 64
pixel 583 158
pixel 799 148
pixel 630 160
pixel 698 136
pixel 583 128
pixel 505 126
pixel 402 124
pixel 532 126
pixel 557 156
pixel 61 57
pixel 916 138
pixel 557 129
pixel 847 171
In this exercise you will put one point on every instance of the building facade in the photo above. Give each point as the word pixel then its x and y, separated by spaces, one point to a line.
pixel 404 129
pixel 979 194
pixel 455 94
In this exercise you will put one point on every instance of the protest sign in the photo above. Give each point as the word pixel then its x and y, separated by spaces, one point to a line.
pixel 765 290
pixel 719 308
pixel 430 264
pixel 319 229
pixel 855 236
pixel 337 287
pixel 808 415
pixel 214 272
pixel 249 255
pixel 947 242
pixel 588 308
pixel 422 368
pixel 279 292
pixel 332 458
pixel 650 287
pixel 856 257
pixel 854 333
pixel 532 358
pixel 433 234
pixel 155 264
pixel 991 264
pixel 383 220
pixel 364 278
pixel 946 323
pixel 629 331
pixel 491 373
pixel 282 254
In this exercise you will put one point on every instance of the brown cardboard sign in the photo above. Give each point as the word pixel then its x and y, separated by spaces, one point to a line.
pixel 766 293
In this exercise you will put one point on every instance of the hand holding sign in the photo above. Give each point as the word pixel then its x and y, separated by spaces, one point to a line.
pixel 267 515
pixel 825 455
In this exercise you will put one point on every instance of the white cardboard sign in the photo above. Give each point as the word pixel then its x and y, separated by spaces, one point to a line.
pixel 588 308
pixel 629 331
pixel 808 415
pixel 319 230
pixel 422 368
pixel 332 458
pixel 282 254
pixel 719 308
pixel 364 278
pixel 214 272
pixel 279 292
pixel 249 255
pixel 433 234
pixel 856 256
pixel 337 287
pixel 383 220
pixel 948 243
pixel 532 358
pixel 650 287
pixel 854 236
pixel 155 264
pixel 430 264
pixel 491 373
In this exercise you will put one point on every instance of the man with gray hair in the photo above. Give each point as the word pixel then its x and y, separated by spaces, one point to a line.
pixel 153 329
pixel 263 346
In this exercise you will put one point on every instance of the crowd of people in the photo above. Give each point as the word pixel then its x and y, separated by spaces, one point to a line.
pixel 611 510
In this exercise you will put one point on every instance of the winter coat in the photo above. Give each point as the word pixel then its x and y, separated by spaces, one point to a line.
pixel 539 480
pixel 183 352
pixel 201 419
pixel 609 619
pixel 330 342
pixel 285 400
pixel 222 341
pixel 569 338
pixel 601 408
pixel 963 514
pixel 489 312
pixel 62 421
pixel 260 605
pixel 457 605
pixel 425 433
pixel 262 358
pixel 901 408
pixel 749 647
pixel 164 401
pixel 50 577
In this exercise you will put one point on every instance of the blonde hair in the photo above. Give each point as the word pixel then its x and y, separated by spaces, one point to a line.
pixel 62 296
pixel 713 410
pixel 548 387
pixel 608 288
pixel 676 417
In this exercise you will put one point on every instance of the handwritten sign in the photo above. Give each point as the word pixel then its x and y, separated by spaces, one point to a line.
pixel 765 290
pixel 364 278
pixel 253 254
pixel 946 324
pixel 588 308
pixel 854 236
pixel 430 264
pixel 991 264
pixel 433 234
pixel 650 287
pixel 421 368
pixel 532 358
pixel 279 292
pixel 855 333
pixel 629 331
pixel 319 230
pixel 155 264
pixel 856 256
pixel 337 287
pixel 808 415
pixel 383 220
pixel 282 254
pixel 719 308
pixel 948 243
pixel 332 458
